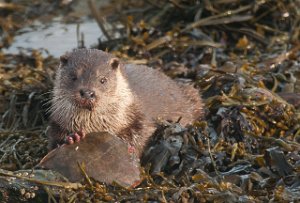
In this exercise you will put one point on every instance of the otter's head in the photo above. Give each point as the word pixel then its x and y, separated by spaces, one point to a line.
pixel 87 78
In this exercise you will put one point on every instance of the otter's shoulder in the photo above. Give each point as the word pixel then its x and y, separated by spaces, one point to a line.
pixel 146 76
pixel 141 69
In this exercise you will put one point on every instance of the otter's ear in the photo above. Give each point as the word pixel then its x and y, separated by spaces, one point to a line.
pixel 114 63
pixel 64 59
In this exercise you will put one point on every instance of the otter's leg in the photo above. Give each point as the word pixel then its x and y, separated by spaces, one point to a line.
pixel 56 135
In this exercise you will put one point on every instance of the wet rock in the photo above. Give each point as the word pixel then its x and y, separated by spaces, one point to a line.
pixel 292 98
pixel 105 157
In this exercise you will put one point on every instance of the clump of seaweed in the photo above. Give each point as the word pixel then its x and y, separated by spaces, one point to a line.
pixel 24 88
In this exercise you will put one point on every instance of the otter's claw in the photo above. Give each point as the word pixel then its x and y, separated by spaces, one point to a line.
pixel 75 137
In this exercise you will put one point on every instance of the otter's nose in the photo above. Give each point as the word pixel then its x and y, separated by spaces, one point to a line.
pixel 87 94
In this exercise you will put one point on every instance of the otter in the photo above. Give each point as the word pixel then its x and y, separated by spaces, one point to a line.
pixel 95 91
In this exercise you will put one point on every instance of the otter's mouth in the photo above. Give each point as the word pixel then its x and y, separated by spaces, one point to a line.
pixel 88 104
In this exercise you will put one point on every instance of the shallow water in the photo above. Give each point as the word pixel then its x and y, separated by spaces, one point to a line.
pixel 55 37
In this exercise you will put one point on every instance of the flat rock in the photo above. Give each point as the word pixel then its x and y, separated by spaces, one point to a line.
pixel 105 157
pixel 292 98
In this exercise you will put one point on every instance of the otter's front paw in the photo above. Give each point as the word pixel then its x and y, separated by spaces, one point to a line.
pixel 75 137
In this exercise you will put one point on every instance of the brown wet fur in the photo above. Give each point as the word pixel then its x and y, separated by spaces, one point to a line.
pixel 163 97
pixel 128 98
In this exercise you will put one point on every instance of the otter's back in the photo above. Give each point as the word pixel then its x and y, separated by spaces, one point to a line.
pixel 161 97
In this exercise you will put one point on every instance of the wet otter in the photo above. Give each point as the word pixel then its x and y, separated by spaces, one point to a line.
pixel 95 91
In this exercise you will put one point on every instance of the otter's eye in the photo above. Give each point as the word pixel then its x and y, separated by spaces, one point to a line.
pixel 73 77
pixel 103 80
